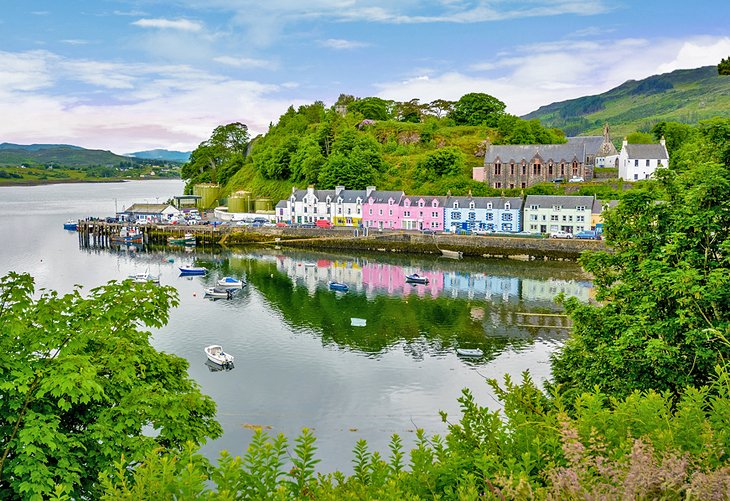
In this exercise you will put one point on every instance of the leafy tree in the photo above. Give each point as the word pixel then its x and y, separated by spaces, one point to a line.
pixel 441 107
pixel 639 138
pixel 410 111
pixel 674 133
pixel 440 163
pixel 667 290
pixel 477 108
pixel 354 162
pixel 373 108
pixel 723 68
pixel 307 161
pixel 81 386
pixel 226 142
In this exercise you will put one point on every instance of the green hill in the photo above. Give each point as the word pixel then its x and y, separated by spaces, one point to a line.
pixel 685 96
pixel 58 156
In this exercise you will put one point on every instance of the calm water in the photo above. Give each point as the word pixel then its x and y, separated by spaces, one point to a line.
pixel 299 360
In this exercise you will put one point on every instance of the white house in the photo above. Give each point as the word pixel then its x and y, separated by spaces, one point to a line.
pixel 640 161
pixel 547 213
pixel 150 213
pixel 310 205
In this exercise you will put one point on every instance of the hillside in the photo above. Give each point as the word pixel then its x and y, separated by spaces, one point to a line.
pixel 686 96
pixel 59 155
pixel 164 155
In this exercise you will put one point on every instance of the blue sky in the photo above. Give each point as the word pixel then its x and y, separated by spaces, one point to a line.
pixel 128 75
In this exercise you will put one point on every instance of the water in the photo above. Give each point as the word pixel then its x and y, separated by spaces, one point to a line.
pixel 300 361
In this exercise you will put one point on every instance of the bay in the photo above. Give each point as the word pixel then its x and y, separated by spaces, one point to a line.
pixel 377 360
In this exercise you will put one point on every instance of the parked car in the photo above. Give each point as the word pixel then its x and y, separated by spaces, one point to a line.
pixel 323 223
pixel 482 232
pixel 281 224
pixel 588 235
pixel 576 179
pixel 561 234
pixel 558 180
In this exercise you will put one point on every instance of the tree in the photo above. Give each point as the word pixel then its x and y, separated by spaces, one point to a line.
pixel 666 284
pixel 477 108
pixel 441 107
pixel 81 386
pixel 410 111
pixel 226 142
pixel 674 133
pixel 355 162
pixel 639 138
pixel 441 163
pixel 724 67
pixel 373 108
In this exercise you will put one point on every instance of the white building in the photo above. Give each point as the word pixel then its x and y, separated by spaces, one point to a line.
pixel 640 161
pixel 547 213
pixel 310 205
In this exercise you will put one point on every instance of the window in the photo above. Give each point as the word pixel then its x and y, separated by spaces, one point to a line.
pixel 636 176
pixel 570 218
pixel 534 207
pixel 580 219
pixel 647 163
pixel 434 215
pixel 497 169
pixel 497 185
pixel 390 212
pixel 390 202
pixel 305 210
pixel 564 218
pixel 471 205
pixel 506 206
pixel 456 215
pixel 506 216
pixel 489 205
pixel 511 186
pixel 371 212
pixel 472 215
pixel 557 207
pixel 456 205
pixel 554 217
pixel 636 162
pixel 339 210
pixel 381 212
pixel 512 169
pixel 489 216
pixel 533 226
pixel 507 227
pixel 524 185
pixel 315 210
pixel 580 207
pixel 550 170
pixel 524 169
pixel 420 203
pixel 533 217
pixel 407 213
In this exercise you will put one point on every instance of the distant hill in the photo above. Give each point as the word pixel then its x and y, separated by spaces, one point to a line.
pixel 166 155
pixel 61 155
pixel 686 96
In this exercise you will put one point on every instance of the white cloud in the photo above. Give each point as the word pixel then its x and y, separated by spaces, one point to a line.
pixel 171 24
pixel 339 44
pixel 245 62
pixel 75 41
pixel 538 75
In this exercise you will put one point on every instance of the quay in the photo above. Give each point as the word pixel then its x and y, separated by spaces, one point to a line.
pixel 95 233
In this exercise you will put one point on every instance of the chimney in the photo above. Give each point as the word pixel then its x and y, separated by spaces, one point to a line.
pixel 338 190
pixel 662 141
pixel 369 190
pixel 625 143
pixel 310 189
pixel 293 190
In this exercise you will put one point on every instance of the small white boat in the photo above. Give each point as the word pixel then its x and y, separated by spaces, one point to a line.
pixel 218 292
pixel 451 254
pixel 230 283
pixel 143 278
pixel 469 352
pixel 216 355
pixel 415 278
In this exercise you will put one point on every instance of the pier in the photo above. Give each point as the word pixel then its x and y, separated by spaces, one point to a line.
pixel 101 234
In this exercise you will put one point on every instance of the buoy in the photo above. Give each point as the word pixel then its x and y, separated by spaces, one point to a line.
pixel 194 294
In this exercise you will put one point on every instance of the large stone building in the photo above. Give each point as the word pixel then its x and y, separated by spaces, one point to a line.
pixel 521 166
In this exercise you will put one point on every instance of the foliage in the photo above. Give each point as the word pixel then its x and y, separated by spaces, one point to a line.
pixel 219 157
pixel 666 288
pixel 441 163
pixel 373 108
pixel 514 130
pixel 477 108
pixel 354 163
pixel 723 67
pixel 675 134
pixel 639 138
pixel 81 385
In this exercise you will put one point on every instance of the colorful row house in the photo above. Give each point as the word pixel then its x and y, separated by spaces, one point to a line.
pixel 340 207
pixel 483 213
pixel 549 213
pixel 382 210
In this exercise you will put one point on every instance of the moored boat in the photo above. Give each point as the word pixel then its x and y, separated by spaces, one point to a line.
pixel 218 293
pixel 143 278
pixel 337 286
pixel 127 235
pixel 451 254
pixel 71 225
pixel 192 270
pixel 188 239
pixel 415 278
pixel 216 355
pixel 231 283
pixel 469 352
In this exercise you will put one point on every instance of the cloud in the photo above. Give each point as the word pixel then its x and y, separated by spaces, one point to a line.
pixel 245 62
pixel 75 41
pixel 169 24
pixel 533 76
pixel 339 44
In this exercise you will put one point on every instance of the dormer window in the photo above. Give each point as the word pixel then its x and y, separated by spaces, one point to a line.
pixel 390 202
pixel 506 206
pixel 471 205
pixel 489 205
pixel 456 205
pixel 420 203
pixel 435 203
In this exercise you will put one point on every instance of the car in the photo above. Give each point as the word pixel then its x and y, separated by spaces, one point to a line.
pixel 428 231
pixel 482 232
pixel 323 223
pixel 576 179
pixel 281 224
pixel 588 235
pixel 561 234
pixel 558 180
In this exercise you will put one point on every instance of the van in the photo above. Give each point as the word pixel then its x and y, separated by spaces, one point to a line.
pixel 323 223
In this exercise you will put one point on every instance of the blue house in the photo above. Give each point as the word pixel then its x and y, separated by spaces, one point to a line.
pixel 466 214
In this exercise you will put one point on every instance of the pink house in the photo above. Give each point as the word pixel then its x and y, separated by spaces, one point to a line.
pixel 422 213
pixel 382 210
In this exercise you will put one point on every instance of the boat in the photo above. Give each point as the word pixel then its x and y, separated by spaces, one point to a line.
pixel 216 355
pixel 127 235
pixel 143 278
pixel 469 352
pixel 192 270
pixel 188 239
pixel 71 225
pixel 230 283
pixel 415 278
pixel 451 254
pixel 218 293
pixel 337 286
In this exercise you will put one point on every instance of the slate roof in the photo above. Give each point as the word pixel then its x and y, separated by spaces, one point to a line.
pixel 320 194
pixel 566 202
pixel 350 196
pixel 647 151
pixel 555 152
pixel 598 205
pixel 426 200
pixel 592 143
pixel 283 204
pixel 382 196
pixel 481 202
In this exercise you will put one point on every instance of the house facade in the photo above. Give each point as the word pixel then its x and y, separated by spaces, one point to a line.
pixel 310 205
pixel 640 161
pixel 483 213
pixel 382 210
pixel 347 207
pixel 545 213
pixel 422 213
pixel 150 213
pixel 283 214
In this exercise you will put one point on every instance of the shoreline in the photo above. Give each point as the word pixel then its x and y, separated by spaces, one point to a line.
pixel 41 182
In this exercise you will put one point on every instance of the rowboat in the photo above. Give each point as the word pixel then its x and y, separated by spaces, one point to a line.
pixel 469 352
pixel 415 278
pixel 451 254
pixel 192 270
pixel 337 286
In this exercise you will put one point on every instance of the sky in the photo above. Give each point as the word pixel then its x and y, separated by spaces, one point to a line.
pixel 131 75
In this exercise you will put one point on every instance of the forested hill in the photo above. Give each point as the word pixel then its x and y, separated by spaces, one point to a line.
pixel 685 96
pixel 59 155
